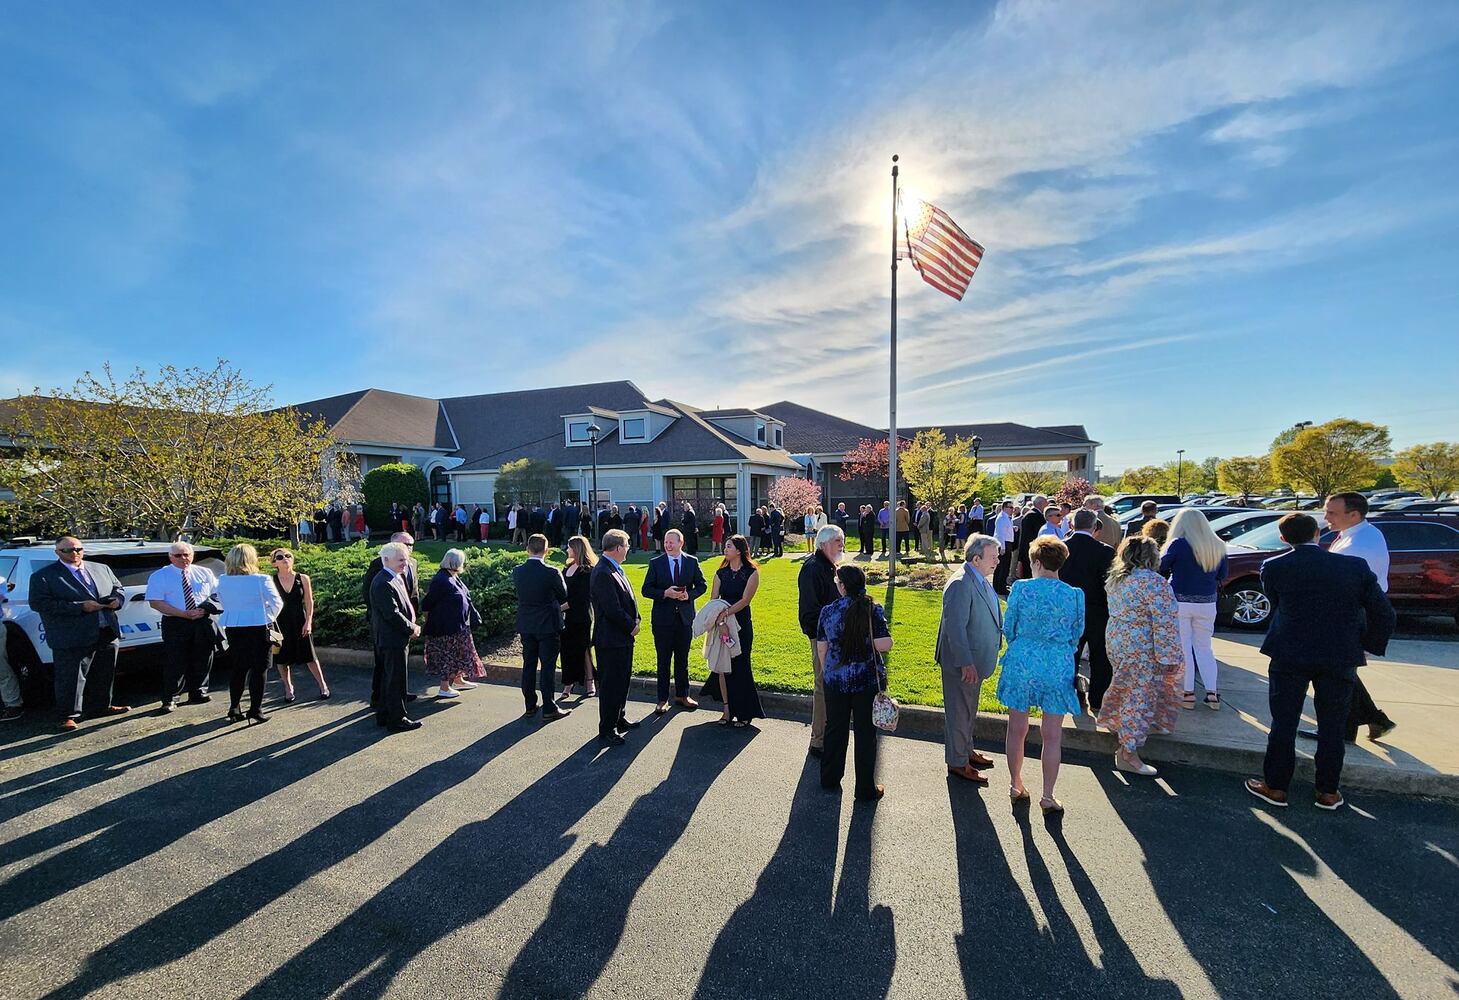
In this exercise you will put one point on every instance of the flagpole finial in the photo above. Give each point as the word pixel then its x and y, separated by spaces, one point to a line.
pixel 895 157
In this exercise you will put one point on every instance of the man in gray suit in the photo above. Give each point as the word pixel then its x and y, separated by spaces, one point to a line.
pixel 392 621
pixel 969 637
pixel 78 603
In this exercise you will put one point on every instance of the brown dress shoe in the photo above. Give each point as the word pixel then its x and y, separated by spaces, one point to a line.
pixel 68 724
pixel 688 703
pixel 1271 796
pixel 979 761
pixel 1330 801
pixel 968 774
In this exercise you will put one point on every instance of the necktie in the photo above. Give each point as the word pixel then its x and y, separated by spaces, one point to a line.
pixel 86 579
pixel 188 600
pixel 674 563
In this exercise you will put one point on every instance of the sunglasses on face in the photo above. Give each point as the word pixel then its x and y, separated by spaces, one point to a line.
pixel 282 557
pixel 71 548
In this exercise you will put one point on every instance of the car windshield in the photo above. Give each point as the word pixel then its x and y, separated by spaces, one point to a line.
pixel 1267 538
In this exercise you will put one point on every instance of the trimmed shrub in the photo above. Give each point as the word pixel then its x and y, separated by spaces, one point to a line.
pixel 398 482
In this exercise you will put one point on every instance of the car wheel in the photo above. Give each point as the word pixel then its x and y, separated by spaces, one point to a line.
pixel 37 686
pixel 1250 607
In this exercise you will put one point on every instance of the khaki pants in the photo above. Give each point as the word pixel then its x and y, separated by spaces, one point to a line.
pixel 818 701
pixel 926 543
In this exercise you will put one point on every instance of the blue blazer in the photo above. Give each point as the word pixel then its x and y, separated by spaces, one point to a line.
pixel 658 579
pixel 1327 609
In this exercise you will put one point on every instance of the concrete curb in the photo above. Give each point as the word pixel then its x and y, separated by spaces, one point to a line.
pixel 923 722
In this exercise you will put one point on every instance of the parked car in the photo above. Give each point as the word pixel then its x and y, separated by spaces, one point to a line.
pixel 132 560
pixel 1231 526
pixel 1423 568
pixel 1123 502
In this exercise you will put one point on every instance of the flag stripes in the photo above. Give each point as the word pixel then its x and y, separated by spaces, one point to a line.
pixel 942 253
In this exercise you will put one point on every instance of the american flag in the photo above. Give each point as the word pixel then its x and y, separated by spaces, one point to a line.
pixel 942 253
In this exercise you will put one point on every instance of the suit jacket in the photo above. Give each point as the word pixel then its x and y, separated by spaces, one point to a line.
pixel 615 611
pixel 536 521
pixel 1326 609
pixel 55 594
pixel 391 613
pixel 971 630
pixel 658 579
pixel 1086 568
pixel 412 582
pixel 541 593
pixel 1028 529
pixel 777 521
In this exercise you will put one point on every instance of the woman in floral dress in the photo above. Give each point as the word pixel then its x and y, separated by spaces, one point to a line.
pixel 1043 623
pixel 1143 638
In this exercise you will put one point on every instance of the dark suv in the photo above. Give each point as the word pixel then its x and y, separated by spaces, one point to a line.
pixel 1423 567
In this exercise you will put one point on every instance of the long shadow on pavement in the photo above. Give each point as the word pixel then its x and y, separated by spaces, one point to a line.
pixel 794 937
pixel 590 907
pixel 437 896
pixel 191 923
pixel 1227 885
pixel 140 823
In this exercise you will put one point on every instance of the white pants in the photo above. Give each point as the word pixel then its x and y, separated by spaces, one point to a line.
pixel 1197 624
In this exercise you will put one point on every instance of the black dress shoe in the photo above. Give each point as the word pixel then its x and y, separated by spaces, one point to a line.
pixel 625 724
pixel 555 714
pixel 198 699
pixel 403 726
pixel 816 751
pixel 611 741
pixel 168 707
pixel 411 697
pixel 529 712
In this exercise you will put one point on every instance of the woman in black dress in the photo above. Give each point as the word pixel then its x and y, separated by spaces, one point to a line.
pixel 296 621
pixel 736 581
pixel 577 650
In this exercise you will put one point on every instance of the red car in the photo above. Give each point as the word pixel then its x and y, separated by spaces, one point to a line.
pixel 1423 567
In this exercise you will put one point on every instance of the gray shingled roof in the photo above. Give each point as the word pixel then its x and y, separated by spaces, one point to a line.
pixel 1008 435
pixel 386 417
pixel 811 432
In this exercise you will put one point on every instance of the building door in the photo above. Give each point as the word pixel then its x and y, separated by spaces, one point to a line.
pixel 440 486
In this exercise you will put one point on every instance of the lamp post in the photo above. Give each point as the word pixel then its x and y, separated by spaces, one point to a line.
pixel 1298 428
pixel 593 431
pixel 1179 468
pixel 977 446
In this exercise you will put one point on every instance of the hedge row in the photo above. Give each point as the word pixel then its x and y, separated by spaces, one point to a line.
pixel 337 575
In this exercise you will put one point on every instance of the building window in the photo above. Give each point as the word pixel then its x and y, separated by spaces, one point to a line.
pixel 440 486
pixel 760 431
pixel 577 432
pixel 779 438
pixel 633 429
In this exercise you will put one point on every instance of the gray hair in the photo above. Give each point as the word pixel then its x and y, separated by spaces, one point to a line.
pixel 454 559
pixel 179 546
pixel 977 543
pixel 394 550
pixel 401 536
pixel 1039 498
pixel 1094 502
pixel 827 534
pixel 1084 519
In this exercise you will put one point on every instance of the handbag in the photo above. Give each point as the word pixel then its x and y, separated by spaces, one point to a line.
pixel 884 708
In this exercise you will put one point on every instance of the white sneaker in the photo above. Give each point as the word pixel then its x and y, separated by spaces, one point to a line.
pixel 465 686
pixel 447 693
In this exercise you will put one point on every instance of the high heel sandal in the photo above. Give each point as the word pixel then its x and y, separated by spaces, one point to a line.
pixel 1051 806
pixel 234 715
pixel 1016 796
pixel 255 715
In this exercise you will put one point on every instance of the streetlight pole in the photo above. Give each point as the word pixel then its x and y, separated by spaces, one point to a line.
pixel 1298 428
pixel 593 431
pixel 1179 468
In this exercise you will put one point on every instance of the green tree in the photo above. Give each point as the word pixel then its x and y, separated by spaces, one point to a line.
pixel 1432 468
pixel 1142 479
pixel 184 451
pixel 940 472
pixel 1339 455
pixel 1245 474
pixel 528 480
pixel 396 482
pixel 1038 477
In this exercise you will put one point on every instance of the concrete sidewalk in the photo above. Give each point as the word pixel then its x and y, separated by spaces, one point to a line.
pixel 1417 684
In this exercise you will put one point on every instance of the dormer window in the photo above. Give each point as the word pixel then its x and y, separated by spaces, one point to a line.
pixel 779 437
pixel 633 429
pixel 577 431
pixel 760 431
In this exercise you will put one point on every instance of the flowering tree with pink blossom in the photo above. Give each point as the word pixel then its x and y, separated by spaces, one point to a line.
pixel 794 495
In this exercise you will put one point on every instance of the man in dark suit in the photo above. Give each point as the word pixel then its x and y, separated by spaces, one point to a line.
pixel 615 624
pixel 867 530
pixel 777 529
pixel 541 596
pixel 537 521
pixel 78 603
pixel 632 521
pixel 1086 568
pixel 411 579
pixel 1028 530
pixel 674 582
pixel 1149 511
pixel 1327 611
pixel 393 623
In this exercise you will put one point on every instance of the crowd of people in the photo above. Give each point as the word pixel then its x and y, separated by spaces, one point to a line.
pixel 1143 606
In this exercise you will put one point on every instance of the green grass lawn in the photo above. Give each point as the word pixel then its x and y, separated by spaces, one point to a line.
pixel 781 657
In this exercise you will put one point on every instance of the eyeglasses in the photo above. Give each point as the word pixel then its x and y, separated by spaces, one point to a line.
pixel 71 548
pixel 282 557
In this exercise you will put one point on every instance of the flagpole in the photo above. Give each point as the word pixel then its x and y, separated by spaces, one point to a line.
pixel 892 418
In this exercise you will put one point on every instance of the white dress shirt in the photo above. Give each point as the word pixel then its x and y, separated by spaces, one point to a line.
pixel 248 599
pixel 166 585
pixel 1003 529
pixel 1367 543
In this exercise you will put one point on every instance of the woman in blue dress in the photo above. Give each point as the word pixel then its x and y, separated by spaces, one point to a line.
pixel 1043 623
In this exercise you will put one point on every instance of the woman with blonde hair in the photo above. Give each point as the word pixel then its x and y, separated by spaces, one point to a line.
pixel 250 603
pixel 296 622
pixel 1194 559
pixel 1143 640
pixel 577 627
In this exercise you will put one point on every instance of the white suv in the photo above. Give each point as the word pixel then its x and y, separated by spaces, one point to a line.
pixel 132 560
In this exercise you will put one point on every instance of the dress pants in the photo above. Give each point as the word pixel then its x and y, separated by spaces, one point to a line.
pixel 390 706
pixel 844 713
pixel 1100 671
pixel 818 700
pixel 960 712
pixel 1332 689
pixel 250 655
pixel 84 675
pixel 671 642
pixel 1362 711
pixel 10 694
pixel 1000 575
pixel 884 532
pixel 188 645
pixel 615 664
pixel 539 669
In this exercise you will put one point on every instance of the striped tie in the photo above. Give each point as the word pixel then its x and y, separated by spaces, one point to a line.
pixel 188 600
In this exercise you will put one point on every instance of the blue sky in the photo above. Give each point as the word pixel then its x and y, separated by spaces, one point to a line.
pixel 1203 222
